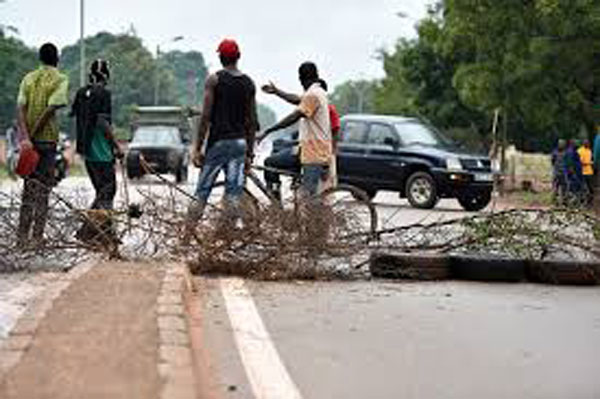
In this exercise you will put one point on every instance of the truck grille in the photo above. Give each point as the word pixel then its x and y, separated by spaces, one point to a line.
pixel 476 164
pixel 155 156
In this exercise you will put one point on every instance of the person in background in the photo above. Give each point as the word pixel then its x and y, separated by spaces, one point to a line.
pixel 587 166
pixel 41 94
pixel 229 119
pixel 12 148
pixel 573 171
pixel 596 157
pixel 559 181
pixel 97 145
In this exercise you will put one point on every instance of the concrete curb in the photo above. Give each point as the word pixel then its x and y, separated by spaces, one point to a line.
pixel 175 365
pixel 21 336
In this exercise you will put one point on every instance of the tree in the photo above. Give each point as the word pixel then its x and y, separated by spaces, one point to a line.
pixel 189 71
pixel 354 96
pixel 132 69
pixel 537 60
pixel 419 82
pixel 16 59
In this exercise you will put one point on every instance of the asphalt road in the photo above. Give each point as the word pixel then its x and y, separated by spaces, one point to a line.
pixel 380 339
pixel 376 339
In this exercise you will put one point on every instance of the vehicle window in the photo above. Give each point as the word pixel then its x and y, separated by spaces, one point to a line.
pixel 379 133
pixel 354 132
pixel 161 135
pixel 419 133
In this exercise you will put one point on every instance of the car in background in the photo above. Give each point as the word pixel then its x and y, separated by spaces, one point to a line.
pixel 161 135
pixel 409 156
pixel 162 147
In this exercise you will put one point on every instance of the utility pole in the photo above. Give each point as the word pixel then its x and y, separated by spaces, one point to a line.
pixel 157 68
pixel 82 43
pixel 156 75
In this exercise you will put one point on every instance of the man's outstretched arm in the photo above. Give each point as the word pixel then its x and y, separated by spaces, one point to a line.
pixel 291 98
pixel 285 122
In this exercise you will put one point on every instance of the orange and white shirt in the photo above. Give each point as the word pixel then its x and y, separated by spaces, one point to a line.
pixel 585 154
pixel 315 128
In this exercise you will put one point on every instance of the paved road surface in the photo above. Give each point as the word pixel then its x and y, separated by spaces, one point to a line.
pixel 376 339
pixel 379 339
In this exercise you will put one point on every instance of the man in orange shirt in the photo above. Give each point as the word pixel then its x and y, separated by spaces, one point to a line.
pixel 585 154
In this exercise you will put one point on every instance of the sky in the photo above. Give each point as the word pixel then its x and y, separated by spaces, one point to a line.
pixel 342 37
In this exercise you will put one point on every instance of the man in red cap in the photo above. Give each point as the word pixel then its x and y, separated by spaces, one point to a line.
pixel 229 120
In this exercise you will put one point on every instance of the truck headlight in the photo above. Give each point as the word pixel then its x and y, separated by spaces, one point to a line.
pixel 453 163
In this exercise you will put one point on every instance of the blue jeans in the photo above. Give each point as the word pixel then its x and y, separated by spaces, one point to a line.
pixel 312 176
pixel 227 155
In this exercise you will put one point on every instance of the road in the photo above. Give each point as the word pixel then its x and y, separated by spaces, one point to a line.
pixel 376 339
pixel 381 339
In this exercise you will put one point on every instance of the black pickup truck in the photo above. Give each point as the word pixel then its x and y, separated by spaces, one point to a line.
pixel 409 156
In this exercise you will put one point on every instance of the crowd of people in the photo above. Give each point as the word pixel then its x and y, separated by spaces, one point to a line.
pixel 225 138
pixel 573 170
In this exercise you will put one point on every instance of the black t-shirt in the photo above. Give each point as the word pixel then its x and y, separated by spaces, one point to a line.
pixel 91 103
pixel 232 106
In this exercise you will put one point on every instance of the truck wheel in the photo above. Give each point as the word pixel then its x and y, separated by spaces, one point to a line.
pixel 131 174
pixel 369 193
pixel 474 202
pixel 421 190
pixel 181 175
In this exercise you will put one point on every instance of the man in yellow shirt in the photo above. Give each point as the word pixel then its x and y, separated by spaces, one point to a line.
pixel 41 94
pixel 587 166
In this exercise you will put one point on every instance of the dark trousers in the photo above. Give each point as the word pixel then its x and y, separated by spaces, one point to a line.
pixel 98 228
pixel 285 159
pixel 104 180
pixel 36 193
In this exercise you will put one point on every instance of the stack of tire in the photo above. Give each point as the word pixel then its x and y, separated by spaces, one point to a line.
pixel 409 266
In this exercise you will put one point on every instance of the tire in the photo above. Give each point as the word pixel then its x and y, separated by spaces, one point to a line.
pixel 563 272
pixel 473 202
pixel 131 174
pixel 408 266
pixel 370 192
pixel 421 190
pixel 482 268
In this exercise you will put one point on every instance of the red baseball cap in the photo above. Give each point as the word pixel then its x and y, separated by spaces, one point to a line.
pixel 229 48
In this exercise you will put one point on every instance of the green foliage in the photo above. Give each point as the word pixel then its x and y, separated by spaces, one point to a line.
pixel 189 71
pixel 16 59
pixel 354 97
pixel 132 72
pixel 537 60
pixel 419 82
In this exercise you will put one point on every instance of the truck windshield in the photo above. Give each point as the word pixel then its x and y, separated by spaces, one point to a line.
pixel 416 133
pixel 162 135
